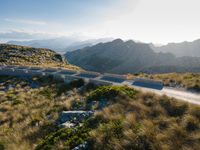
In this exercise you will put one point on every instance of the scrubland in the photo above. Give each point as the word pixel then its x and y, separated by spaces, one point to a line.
pixel 29 108
pixel 29 56
pixel 188 81
pixel 124 118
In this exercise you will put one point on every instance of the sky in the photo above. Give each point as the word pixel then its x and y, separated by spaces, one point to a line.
pixel 157 21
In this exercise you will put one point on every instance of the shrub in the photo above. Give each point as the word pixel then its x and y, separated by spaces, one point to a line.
pixel 16 102
pixel 191 123
pixel 2 147
pixel 58 57
pixel 71 137
pixel 77 83
pixel 90 86
pixel 62 88
pixel 141 142
pixel 111 92
pixel 196 87
pixel 174 109
pixel 107 131
pixel 47 92
pixel 196 112
pixel 178 136
pixel 163 124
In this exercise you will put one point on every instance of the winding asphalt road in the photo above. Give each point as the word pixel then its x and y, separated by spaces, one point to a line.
pixel 181 95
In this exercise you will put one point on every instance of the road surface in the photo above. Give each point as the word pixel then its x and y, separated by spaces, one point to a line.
pixel 187 96
pixel 181 95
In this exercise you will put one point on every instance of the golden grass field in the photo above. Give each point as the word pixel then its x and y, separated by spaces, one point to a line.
pixel 129 120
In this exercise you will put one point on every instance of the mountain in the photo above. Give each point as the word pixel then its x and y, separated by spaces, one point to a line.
pixel 130 57
pixel 57 44
pixel 181 49
pixel 62 44
pixel 86 43
pixel 29 56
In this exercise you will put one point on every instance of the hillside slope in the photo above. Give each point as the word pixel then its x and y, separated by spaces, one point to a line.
pixel 124 118
pixel 130 57
pixel 61 45
pixel 29 56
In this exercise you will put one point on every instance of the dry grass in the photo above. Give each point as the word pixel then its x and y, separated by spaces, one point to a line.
pixel 190 81
pixel 28 114
pixel 147 122
pixel 29 56
pixel 131 119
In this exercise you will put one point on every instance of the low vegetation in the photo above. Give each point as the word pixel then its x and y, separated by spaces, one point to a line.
pixel 189 81
pixel 127 119
pixel 29 108
pixel 109 92
pixel 69 137
pixel 29 56
pixel 146 122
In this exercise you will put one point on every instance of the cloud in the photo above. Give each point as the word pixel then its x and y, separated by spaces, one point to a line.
pixel 120 9
pixel 23 21
pixel 25 35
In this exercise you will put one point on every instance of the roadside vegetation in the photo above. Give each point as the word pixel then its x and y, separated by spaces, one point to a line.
pixel 147 122
pixel 189 81
pixel 124 118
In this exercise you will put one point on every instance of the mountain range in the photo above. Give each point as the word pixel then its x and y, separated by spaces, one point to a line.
pixel 65 44
pixel 62 44
pixel 121 57
pixel 180 49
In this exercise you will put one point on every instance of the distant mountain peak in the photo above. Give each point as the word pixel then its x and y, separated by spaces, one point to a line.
pixel 118 41
pixel 130 42
pixel 122 57
pixel 180 49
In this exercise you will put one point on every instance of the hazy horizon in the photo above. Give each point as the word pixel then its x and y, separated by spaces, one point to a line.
pixel 155 21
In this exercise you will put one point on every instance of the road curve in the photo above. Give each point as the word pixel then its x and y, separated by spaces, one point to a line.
pixel 182 95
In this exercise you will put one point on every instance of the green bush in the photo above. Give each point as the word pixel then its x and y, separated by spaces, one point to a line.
pixel 58 57
pixel 111 92
pixel 113 129
pixel 16 102
pixel 2 147
pixel 108 131
pixel 47 92
pixel 71 137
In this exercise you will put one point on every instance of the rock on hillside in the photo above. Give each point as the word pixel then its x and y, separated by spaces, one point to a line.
pixel 22 55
